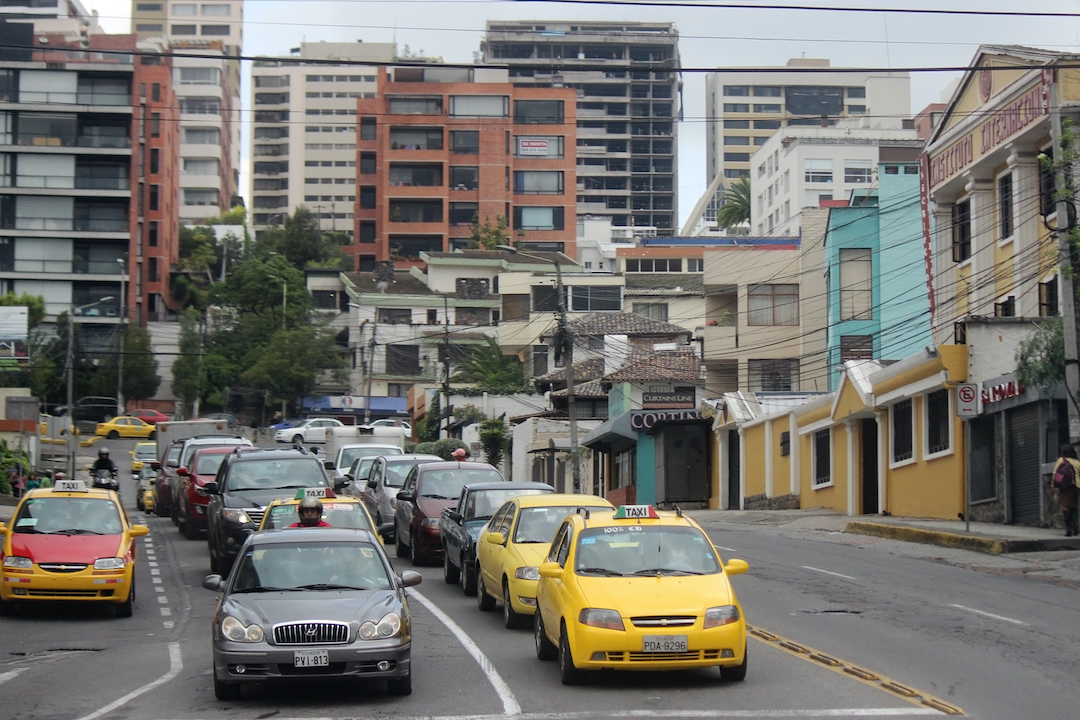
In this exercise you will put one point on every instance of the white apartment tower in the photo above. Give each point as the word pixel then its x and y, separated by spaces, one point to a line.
pixel 208 90
pixel 303 138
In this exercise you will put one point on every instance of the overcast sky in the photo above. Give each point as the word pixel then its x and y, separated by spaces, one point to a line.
pixel 709 38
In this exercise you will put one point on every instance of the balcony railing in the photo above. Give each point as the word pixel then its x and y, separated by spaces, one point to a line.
pixel 75 267
pixel 100 225
pixel 103 141
pixel 104 98
pixel 102 183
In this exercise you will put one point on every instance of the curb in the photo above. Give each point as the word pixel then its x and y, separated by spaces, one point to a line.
pixel 987 545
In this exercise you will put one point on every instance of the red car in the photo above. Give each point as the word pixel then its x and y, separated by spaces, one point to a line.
pixel 151 417
pixel 191 499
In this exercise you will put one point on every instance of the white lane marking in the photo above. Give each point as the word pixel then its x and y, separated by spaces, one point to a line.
pixel 151 563
pixel 510 703
pixel 155 579
pixel 165 612
pixel 165 600
pixel 828 572
pixel 155 572
pixel 693 714
pixel 11 674
pixel 168 624
pixel 990 615
pixel 176 664
pixel 158 588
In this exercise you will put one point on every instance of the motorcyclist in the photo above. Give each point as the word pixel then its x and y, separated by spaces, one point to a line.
pixel 104 462
pixel 310 511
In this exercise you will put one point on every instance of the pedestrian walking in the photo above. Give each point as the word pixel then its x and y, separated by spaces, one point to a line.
pixel 1067 482
pixel 18 482
pixel 32 482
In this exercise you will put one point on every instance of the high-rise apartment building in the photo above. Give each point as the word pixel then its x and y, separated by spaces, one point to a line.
pixel 207 80
pixel 303 139
pixel 441 148
pixel 626 76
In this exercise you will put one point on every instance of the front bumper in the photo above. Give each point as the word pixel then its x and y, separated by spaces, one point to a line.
pixel 87 585
pixel 198 505
pixel 357 659
pixel 599 648
pixel 429 541
pixel 523 595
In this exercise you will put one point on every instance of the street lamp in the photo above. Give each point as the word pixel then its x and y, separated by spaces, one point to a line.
pixel 564 345
pixel 71 379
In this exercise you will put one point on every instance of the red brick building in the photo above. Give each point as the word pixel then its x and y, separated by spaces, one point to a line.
pixel 433 156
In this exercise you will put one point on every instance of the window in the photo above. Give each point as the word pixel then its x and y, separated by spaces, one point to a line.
pixel 653 311
pixel 856 347
pixel 858 171
pixel 367 198
pixel 416 211
pixel 148 27
pixel 368 128
pixel 1005 206
pixel 588 298
pixel 773 305
pixel 152 233
pixel 415 105
pixel 938 425
pixel 403 359
pixel 857 109
pixel 155 276
pixel 402 175
pixel 465 142
pixel 540 360
pixel 736 124
pixel 215 29
pixel 540 112
pixel 367 163
pixel 479 106
pixel 397 389
pixel 199 76
pixel 413 138
pixel 538 218
pixel 216 9
pixel 394 316
pixel 737 140
pixel 768 91
pixel 200 166
pixel 1048 298
pixel 183 29
pixel 155 160
pixel 736 107
pixel 903 431
pixel 856 284
pixel 185 9
pixel 766 124
pixel 773 375
pixel 538 146
pixel 623 469
pixel 155 92
pixel 155 197
pixel 367 232
pixel 463 213
pixel 197 196
pixel 695 265
pixel 1047 184
pixel 148 7
pixel 961 231
pixel 767 108
pixel 1006 308
pixel 538 182
pixel 200 106
pixel 856 92
pixel 736 157
pixel 823 457
pixel 654 265
pixel 155 125
pixel 464 178
pixel 737 90
pixel 818 170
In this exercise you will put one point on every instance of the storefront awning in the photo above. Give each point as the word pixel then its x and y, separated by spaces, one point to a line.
pixel 615 431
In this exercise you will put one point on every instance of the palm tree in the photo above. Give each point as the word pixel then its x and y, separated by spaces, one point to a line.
pixel 491 371
pixel 736 207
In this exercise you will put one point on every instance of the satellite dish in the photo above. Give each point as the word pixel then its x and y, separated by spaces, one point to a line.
pixel 381 286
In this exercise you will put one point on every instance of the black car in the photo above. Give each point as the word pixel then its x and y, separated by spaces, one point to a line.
pixel 92 408
pixel 248 479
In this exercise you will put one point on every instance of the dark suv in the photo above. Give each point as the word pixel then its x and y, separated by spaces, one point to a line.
pixel 92 408
pixel 248 479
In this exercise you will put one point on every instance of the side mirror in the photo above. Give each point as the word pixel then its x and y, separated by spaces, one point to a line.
pixel 213 582
pixel 139 530
pixel 155 465
pixel 454 515
pixel 550 570
pixel 409 578
pixel 211 488
pixel 183 472
pixel 386 529
pixel 371 485
pixel 736 567
pixel 405 496
pixel 172 464
pixel 3 526
pixel 329 465
pixel 496 538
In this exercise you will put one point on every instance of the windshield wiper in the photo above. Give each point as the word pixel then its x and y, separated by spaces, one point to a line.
pixel 264 588
pixel 435 497
pixel 530 542
pixel 669 571
pixel 329 586
pixel 74 531
pixel 599 571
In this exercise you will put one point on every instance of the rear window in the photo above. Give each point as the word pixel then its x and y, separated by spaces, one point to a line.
pixel 447 484
pixel 351 455
pixel 146 452
pixel 483 503
pixel 275 474
pixel 208 464
pixel 191 448
pixel 345 515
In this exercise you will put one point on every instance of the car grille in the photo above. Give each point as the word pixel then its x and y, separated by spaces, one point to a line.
pixel 64 593
pixel 62 567
pixel 255 515
pixel 664 621
pixel 311 633
pixel 664 657
pixel 335 668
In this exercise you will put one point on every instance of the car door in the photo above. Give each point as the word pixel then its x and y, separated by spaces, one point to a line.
pixel 546 595
pixel 403 515
pixel 370 494
pixel 488 552
pixel 454 531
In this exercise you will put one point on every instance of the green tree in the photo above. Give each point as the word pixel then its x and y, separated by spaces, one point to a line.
pixel 35 306
pixel 189 375
pixel 1040 358
pixel 468 413
pixel 490 371
pixel 736 207
pixel 300 241
pixel 141 379
pixel 487 235
pixel 427 429
pixel 292 365
pixel 493 438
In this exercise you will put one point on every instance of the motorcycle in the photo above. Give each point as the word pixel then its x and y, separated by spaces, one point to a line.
pixel 103 478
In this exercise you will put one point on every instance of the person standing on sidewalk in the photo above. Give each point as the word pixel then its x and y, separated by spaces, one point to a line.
pixel 1066 479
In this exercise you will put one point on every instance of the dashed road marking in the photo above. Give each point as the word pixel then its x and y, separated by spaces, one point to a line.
pixel 828 572
pixel 168 624
pixel 158 588
pixel 165 600
pixel 990 615
pixel 11 674
pixel 165 612
pixel 176 664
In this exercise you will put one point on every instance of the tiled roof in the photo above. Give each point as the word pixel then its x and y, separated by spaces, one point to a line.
pixel 678 365
pixel 503 255
pixel 589 369
pixel 402 284
pixel 621 323
pixel 590 389
pixel 639 284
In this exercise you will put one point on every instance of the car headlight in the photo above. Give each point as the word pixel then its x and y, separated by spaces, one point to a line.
pixel 22 563
pixel 388 627
pixel 597 617
pixel 113 563
pixel 528 572
pixel 429 522
pixel 235 630
pixel 236 516
pixel 723 615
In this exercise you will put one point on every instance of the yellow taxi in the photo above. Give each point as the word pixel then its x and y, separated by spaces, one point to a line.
pixel 338 511
pixel 126 427
pixel 514 543
pixel 637 590
pixel 69 542
pixel 143 453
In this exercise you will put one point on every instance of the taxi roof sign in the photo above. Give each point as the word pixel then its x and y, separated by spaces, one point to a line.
pixel 638 512
pixel 69 486
pixel 315 492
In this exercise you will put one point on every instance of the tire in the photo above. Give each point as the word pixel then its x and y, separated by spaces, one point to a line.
pixel 113 435
pixel 414 554
pixel 568 672
pixel 736 673
pixel 484 602
pixel 511 618
pixel 174 510
pixel 152 435
pixel 124 609
pixel 226 691
pixel 450 573
pixel 403 552
pixel 468 578
pixel 139 501
pixel 181 520
pixel 191 528
pixel 7 608
pixel 297 440
pixel 545 649
pixel 400 687
pixel 159 509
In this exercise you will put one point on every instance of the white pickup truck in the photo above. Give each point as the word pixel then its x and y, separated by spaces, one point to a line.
pixel 345 444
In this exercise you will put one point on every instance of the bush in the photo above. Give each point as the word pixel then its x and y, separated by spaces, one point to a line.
pixel 443 448
pixel 424 448
pixel 493 438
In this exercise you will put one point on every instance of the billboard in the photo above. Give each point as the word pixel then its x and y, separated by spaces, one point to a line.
pixel 14 349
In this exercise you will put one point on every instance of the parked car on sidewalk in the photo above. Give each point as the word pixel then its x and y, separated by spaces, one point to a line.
pixel 152 417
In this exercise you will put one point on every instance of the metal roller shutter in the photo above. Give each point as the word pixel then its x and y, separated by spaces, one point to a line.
pixel 1023 426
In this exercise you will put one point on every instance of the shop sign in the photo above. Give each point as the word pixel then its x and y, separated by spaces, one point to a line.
pixel 669 400
pixel 642 420
pixel 1001 391
pixel 532 146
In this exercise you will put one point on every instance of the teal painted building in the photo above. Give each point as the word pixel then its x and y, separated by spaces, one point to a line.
pixel 875 272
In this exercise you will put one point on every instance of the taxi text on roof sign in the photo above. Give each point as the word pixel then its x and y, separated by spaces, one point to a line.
pixel 631 512
pixel 315 492
pixel 70 486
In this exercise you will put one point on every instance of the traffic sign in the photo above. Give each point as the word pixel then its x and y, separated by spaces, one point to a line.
pixel 967 400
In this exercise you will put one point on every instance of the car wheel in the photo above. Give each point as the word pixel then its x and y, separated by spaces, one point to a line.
pixel 414 552
pixel 139 501
pixel 7 608
pixel 113 435
pixel 568 672
pixel 545 649
pixel 450 573
pixel 152 435
pixel 124 609
pixel 226 691
pixel 191 528
pixel 159 509
pixel 181 519
pixel 511 617
pixel 297 439
pixel 736 673
pixel 468 577
pixel 174 510
pixel 400 686
pixel 484 601
pixel 399 545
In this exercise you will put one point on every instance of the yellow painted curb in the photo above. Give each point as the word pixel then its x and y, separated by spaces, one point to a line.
pixel 989 546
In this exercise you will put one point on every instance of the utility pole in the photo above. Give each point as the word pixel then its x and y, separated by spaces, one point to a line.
pixel 122 333
pixel 445 409
pixel 370 373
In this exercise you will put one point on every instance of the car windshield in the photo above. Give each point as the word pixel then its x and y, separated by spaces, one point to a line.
pixel 482 504
pixel 538 524
pixel 146 452
pixel 338 514
pixel 208 464
pixel 311 566
pixel 447 484
pixel 276 474
pixel 398 470
pixel 363 467
pixel 68 516
pixel 644 550
pixel 351 455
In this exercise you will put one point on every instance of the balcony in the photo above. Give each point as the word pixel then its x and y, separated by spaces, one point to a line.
pixel 100 225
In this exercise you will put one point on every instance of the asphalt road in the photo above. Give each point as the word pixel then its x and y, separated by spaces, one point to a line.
pixel 863 626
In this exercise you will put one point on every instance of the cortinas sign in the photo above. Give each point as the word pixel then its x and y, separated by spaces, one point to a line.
pixel 642 420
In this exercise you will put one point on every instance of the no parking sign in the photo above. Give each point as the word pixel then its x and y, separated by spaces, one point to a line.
pixel 967 400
